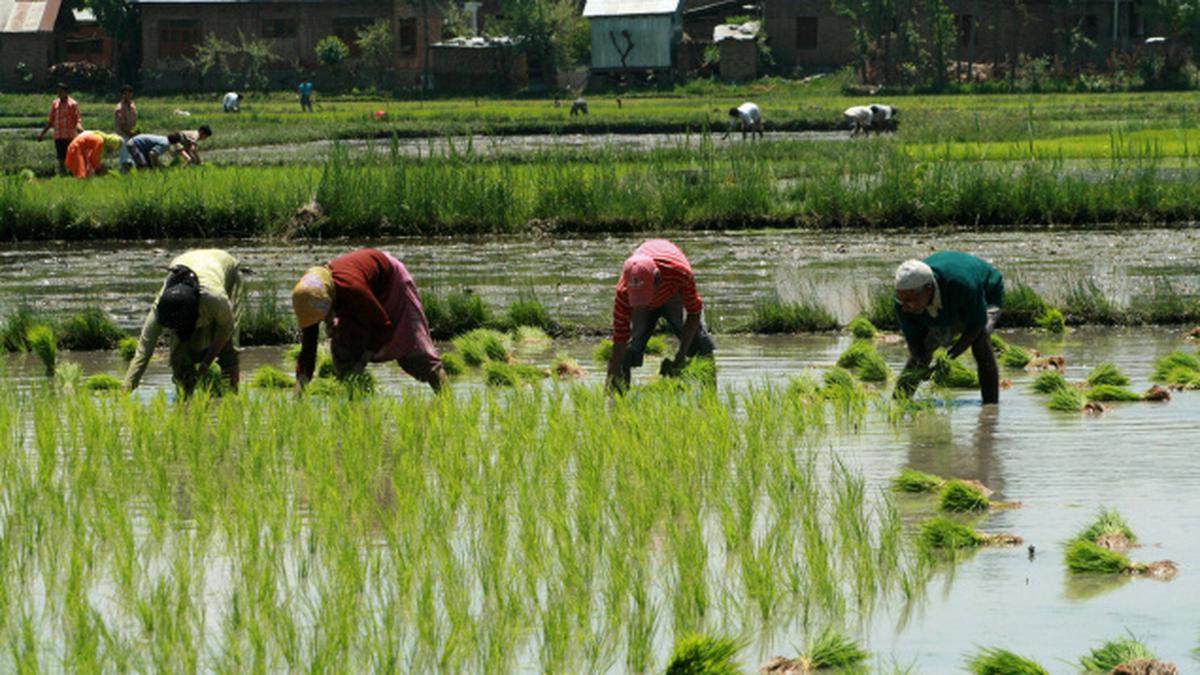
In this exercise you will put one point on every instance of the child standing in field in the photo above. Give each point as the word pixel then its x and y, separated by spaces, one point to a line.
pixel 125 118
pixel 306 94
pixel 66 122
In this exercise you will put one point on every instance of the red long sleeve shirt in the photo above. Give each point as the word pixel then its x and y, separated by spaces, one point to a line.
pixel 675 276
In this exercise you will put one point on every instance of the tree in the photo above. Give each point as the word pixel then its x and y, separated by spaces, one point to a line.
pixel 122 21
pixel 376 44
pixel 242 65
pixel 331 51
pixel 548 32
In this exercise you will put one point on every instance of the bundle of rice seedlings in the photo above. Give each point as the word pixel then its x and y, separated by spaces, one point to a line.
pixel 1178 369
pixel 567 368
pixel 211 380
pixel 951 373
pixel 1066 400
pixel 1003 662
pixel 326 387
pixel 1107 373
pixel 270 377
pixel 359 384
pixel 831 649
pixel 874 369
pixel 701 370
pixel 1052 320
pixel 704 655
pixel 127 348
pixel 838 377
pixel 530 335
pixel 502 374
pixel 959 497
pixel 949 534
pixel 803 386
pixel 862 328
pixel 1015 357
pixel 482 345
pixel 911 480
pixel 453 364
pixel 1085 557
pixel 1113 653
pixel 102 382
pixel 43 343
pixel 854 356
pixel 1049 382
pixel 1107 524
pixel 1111 392
pixel 999 344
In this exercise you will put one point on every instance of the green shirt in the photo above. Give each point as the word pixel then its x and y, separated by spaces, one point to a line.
pixel 968 286
pixel 220 290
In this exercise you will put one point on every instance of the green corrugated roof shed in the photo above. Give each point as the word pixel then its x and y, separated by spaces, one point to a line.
pixel 645 30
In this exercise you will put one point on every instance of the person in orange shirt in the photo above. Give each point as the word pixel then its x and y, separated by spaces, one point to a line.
pixel 65 121
pixel 85 155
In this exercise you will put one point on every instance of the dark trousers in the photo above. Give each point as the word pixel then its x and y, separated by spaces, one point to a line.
pixel 642 324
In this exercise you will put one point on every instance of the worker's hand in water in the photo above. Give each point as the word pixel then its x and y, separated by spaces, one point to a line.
pixel 672 367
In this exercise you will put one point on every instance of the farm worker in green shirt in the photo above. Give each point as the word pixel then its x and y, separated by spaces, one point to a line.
pixel 199 307
pixel 952 300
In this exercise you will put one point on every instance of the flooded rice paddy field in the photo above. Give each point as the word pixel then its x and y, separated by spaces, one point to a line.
pixel 574 276
pixel 1140 458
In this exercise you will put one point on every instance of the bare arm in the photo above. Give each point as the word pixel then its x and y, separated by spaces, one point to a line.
pixel 615 381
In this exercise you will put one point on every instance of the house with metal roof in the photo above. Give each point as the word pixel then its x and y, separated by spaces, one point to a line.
pixel 36 34
pixel 634 35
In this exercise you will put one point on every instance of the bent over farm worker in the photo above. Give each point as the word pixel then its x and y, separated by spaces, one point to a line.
pixel 199 306
pixel 747 117
pixel 372 312
pixel 656 282
pixel 85 154
pixel 951 300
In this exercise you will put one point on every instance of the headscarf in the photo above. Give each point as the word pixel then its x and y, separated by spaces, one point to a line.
pixel 312 296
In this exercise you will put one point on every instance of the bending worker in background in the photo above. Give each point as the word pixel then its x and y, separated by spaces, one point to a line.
pixel 950 300
pixel 656 282
pixel 85 154
pixel 199 307
pixel 748 118
pixel 372 313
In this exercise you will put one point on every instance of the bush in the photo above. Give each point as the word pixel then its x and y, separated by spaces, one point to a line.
pixel 331 51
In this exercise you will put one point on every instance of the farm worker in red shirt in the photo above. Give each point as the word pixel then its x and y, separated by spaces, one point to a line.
pixel 656 283
pixel 372 313
pixel 66 122
pixel 85 154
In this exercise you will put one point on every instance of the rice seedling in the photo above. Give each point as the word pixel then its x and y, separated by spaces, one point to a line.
pixel 530 336
pixel 1108 524
pixel 68 376
pixel 1052 320
pixel 1068 399
pixel 655 346
pixel 913 481
pixel 944 533
pixel 1022 306
pixel 699 370
pixel 704 655
pixel 567 368
pixel 453 364
pixel 504 374
pixel 777 317
pixel 1106 657
pixel 862 359
pixel 90 329
pixel 993 661
pixel 960 497
pixel 127 348
pixel 1178 369
pixel 458 313
pixel 482 345
pixel 832 649
pixel 266 321
pixel 527 310
pixel 1107 373
pixel 42 342
pixel 1085 557
pixel 951 373
pixel 102 382
pixel 1050 381
pixel 15 330
pixel 999 344
pixel 862 328
pixel 270 377
pixel 1111 392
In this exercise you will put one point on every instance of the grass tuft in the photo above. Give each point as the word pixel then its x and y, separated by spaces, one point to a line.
pixel 1107 373
pixel 913 481
pixel 458 313
pixel 655 346
pixel 503 374
pixel 89 330
pixel 1015 357
pixel 862 359
pixel 482 345
pixel 1003 662
pixel 704 655
pixel 453 364
pixel 1113 653
pixel 15 331
pixel 832 649
pixel 42 342
pixel 527 310
pixel 1177 368
pixel 960 497
pixel 1052 320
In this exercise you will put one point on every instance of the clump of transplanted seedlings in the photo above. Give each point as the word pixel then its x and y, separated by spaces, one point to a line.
pixel 1110 393
pixel 862 328
pixel 1049 382
pixel 704 655
pixel 503 374
pixel 530 336
pixel 960 497
pixel 270 377
pixel 1066 400
pixel 945 533
pixel 1052 320
pixel 1011 356
pixel 1003 662
pixel 102 382
pixel 1106 657
pixel 127 348
pixel 453 364
pixel 567 368
pixel 952 373
pixel 913 481
pixel 43 343
pixel 1109 530
pixel 1099 549
pixel 482 345
pixel 1107 373
pixel 862 359
pixel 830 649
pixel 1178 369
pixel 655 346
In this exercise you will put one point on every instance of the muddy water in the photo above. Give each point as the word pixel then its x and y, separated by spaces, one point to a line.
pixel 1140 459
pixel 574 276
pixel 488 145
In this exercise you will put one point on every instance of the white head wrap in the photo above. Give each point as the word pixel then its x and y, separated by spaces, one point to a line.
pixel 913 275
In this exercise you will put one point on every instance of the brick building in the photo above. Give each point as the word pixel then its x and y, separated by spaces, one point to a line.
pixel 36 34
pixel 479 64
pixel 172 29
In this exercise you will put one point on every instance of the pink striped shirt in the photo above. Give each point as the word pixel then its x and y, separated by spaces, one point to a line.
pixel 675 276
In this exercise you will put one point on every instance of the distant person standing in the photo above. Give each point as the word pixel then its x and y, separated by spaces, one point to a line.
pixel 66 122
pixel 125 118
pixel 748 118
pixel 232 102
pixel 306 94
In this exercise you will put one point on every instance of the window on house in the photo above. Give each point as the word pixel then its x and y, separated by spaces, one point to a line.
pixel 178 38
pixel 84 46
pixel 406 36
pixel 347 29
pixel 965 25
pixel 806 32
pixel 277 29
